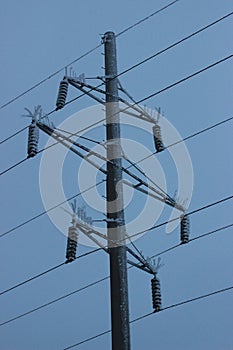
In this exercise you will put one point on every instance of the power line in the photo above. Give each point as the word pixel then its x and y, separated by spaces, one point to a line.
pixel 203 130
pixel 56 300
pixel 48 210
pixel 46 271
pixel 84 55
pixel 146 18
pixel 203 296
pixel 186 78
pixel 53 301
pixel 88 339
pixel 193 239
pixel 48 78
pixel 197 298
pixel 13 135
pixel 169 146
pixel 165 88
pixel 210 66
pixel 93 251
pixel 209 205
pixel 13 166
pixel 157 254
pixel 176 43
pixel 32 278
pixel 92 283
pixel 151 95
pixel 178 218
pixel 149 58
pixel 186 138
pixel 139 161
pixel 55 143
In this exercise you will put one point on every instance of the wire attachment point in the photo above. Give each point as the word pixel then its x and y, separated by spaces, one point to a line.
pixel 184 229
pixel 33 130
pixel 62 94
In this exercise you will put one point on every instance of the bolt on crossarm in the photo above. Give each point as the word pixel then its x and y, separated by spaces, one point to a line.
pixel 115 205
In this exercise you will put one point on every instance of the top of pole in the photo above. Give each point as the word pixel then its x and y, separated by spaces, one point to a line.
pixel 109 36
pixel 109 33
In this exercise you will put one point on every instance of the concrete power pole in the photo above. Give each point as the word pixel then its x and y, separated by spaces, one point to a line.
pixel 115 205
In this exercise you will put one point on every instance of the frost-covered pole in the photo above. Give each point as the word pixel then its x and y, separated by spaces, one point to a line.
pixel 115 205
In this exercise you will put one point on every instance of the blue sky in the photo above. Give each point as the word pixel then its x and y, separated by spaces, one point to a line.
pixel 39 38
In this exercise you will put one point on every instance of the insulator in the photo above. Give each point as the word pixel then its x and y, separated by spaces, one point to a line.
pixel 184 229
pixel 33 139
pixel 62 93
pixel 159 146
pixel 71 244
pixel 156 294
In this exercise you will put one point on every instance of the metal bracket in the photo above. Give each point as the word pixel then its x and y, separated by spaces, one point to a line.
pixel 117 221
pixel 112 142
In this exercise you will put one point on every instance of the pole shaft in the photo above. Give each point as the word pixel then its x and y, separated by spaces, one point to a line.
pixel 115 205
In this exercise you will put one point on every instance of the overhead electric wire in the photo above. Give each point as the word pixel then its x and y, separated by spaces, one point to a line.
pixel 185 139
pixel 92 283
pixel 185 78
pixel 193 239
pixel 159 91
pixel 142 159
pixel 171 145
pixel 146 18
pixel 181 303
pixel 55 143
pixel 203 296
pixel 32 278
pixel 88 339
pixel 139 161
pixel 24 128
pixel 86 54
pixel 149 58
pixel 49 77
pixel 51 208
pixel 178 218
pixel 52 301
pixel 165 88
pixel 46 272
pixel 172 85
pixel 13 135
pixel 201 131
pixel 13 166
pixel 184 302
pixel 210 205
pixel 176 43
pixel 166 49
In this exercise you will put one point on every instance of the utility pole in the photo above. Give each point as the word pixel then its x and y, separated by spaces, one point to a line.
pixel 116 231
pixel 115 204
